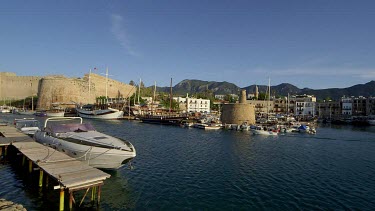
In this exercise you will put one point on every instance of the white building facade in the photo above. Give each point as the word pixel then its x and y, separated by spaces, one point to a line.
pixel 304 105
pixel 194 105
pixel 347 106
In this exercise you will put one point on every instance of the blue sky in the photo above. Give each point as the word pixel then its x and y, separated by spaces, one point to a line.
pixel 315 44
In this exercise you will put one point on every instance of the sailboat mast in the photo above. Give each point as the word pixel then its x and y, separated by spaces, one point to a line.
pixel 90 85
pixel 139 89
pixel 288 105
pixel 269 95
pixel 32 98
pixel 153 99
pixel 106 85
pixel 170 100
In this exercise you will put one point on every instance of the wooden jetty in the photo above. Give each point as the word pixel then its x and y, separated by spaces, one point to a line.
pixel 70 174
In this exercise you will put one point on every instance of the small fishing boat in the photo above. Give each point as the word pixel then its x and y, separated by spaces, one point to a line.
pixel 40 113
pixel 82 142
pixel 55 111
pixel 264 131
pixel 206 126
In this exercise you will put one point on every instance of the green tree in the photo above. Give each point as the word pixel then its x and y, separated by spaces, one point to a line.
pixel 262 96
pixel 165 102
pixel 230 98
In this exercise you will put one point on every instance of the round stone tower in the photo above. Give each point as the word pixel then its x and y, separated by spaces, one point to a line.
pixel 238 113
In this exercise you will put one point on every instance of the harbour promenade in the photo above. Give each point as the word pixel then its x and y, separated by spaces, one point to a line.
pixel 66 174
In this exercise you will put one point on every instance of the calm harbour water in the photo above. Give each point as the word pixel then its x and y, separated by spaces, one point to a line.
pixel 180 168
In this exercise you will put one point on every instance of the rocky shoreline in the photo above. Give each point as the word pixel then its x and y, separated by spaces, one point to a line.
pixel 10 206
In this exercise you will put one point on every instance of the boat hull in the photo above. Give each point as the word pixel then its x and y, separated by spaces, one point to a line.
pixel 26 112
pixel 100 114
pixel 162 120
pixel 264 132
pixel 55 114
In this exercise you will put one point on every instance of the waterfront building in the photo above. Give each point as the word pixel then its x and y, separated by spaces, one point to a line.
pixel 220 97
pixel 370 106
pixel 302 105
pixel 280 105
pixel 329 110
pixel 260 106
pixel 359 106
pixel 250 96
pixel 189 104
pixel 147 99
pixel 346 106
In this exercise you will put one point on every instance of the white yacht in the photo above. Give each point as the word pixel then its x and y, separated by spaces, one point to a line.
pixel 82 142
pixel 99 112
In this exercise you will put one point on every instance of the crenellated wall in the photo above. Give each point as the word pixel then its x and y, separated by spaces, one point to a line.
pixel 60 89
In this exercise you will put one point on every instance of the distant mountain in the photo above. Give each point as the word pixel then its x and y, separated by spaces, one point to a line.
pixel 281 89
pixel 366 90
pixel 196 86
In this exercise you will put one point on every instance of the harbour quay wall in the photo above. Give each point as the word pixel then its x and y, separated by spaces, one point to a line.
pixel 238 113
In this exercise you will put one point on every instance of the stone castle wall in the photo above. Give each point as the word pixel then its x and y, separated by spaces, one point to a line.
pixel 60 89
pixel 238 113
pixel 14 87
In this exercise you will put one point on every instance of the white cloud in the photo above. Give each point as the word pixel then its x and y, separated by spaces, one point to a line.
pixel 119 31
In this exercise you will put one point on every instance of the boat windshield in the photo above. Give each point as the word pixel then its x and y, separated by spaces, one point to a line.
pixel 64 128
pixel 21 124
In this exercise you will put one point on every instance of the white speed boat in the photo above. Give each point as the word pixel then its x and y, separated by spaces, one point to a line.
pixel 83 142
pixel 95 112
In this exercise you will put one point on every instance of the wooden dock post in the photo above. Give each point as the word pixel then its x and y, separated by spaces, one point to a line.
pixel 71 200
pixel 23 160
pixel 99 191
pixel 30 166
pixel 40 178
pixel 62 193
pixel 93 194
pixel 46 183
pixel 5 151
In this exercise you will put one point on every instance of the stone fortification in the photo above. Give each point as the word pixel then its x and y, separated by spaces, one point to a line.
pixel 13 87
pixel 238 113
pixel 60 89
pixel 86 90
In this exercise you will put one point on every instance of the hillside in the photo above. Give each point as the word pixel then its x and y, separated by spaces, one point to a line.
pixel 196 86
